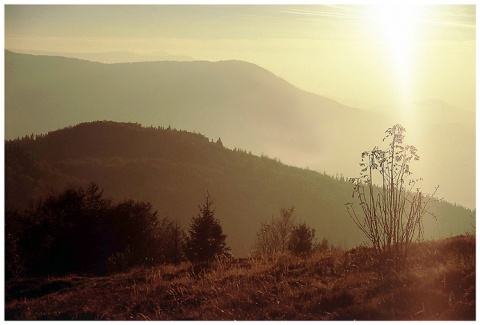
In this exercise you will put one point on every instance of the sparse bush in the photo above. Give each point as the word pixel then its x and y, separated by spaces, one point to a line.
pixel 274 236
pixel 284 234
pixel 285 226
pixel 324 246
pixel 302 240
pixel 267 241
pixel 392 207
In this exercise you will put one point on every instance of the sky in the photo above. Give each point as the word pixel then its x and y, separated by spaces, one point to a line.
pixel 362 56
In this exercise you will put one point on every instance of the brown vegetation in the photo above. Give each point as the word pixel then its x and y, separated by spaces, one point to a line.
pixel 333 285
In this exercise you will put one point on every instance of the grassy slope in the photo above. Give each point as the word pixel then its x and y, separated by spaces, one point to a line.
pixel 329 286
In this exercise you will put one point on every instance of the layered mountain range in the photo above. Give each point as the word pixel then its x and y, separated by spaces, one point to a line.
pixel 244 104
pixel 249 108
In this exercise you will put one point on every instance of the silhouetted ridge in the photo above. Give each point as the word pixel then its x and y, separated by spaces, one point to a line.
pixel 110 139
pixel 174 170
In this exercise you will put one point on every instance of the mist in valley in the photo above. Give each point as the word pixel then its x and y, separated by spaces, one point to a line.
pixel 358 83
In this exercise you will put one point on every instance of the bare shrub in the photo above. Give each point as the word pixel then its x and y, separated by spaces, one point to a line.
pixel 391 204
pixel 273 237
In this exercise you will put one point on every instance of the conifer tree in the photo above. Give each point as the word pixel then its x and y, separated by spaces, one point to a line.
pixel 205 240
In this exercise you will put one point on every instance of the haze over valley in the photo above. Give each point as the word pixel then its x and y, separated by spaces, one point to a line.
pixel 246 106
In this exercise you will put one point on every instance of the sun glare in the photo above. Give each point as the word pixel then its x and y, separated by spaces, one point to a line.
pixel 398 27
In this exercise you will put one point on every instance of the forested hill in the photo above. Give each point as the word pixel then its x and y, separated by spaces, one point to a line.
pixel 174 170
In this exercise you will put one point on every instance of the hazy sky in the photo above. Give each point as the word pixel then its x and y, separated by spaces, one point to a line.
pixel 362 56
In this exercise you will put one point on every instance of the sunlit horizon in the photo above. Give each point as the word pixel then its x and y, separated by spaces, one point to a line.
pixel 327 49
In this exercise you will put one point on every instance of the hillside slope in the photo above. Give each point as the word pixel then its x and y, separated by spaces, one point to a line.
pixel 245 105
pixel 175 169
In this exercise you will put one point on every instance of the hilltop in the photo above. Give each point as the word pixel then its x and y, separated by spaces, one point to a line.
pixel 174 170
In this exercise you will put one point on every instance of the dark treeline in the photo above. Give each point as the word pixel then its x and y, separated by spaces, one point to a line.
pixel 80 231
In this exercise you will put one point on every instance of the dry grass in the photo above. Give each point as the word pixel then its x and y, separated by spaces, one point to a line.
pixel 329 286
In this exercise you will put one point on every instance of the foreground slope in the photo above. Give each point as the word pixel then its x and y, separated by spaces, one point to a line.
pixel 174 170
pixel 336 285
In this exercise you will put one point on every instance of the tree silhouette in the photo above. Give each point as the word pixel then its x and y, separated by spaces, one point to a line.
pixel 302 239
pixel 205 240
pixel 79 231
pixel 134 226
pixel 62 233
pixel 13 231
pixel 176 243
pixel 170 241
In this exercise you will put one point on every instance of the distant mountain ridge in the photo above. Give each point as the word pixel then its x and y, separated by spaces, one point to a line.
pixel 175 169
pixel 112 57
pixel 167 91
pixel 244 104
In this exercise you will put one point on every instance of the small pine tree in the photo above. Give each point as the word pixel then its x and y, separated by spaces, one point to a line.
pixel 205 240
